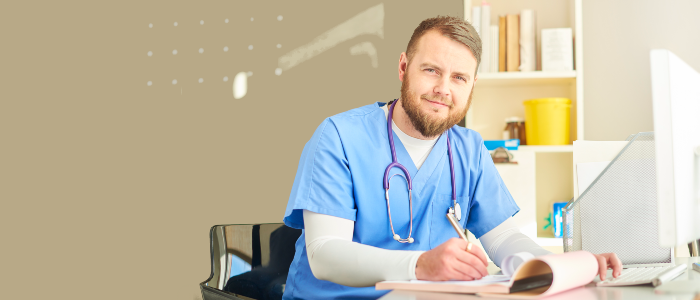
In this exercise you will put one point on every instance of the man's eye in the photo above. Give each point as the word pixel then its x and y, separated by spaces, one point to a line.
pixel 431 70
pixel 461 78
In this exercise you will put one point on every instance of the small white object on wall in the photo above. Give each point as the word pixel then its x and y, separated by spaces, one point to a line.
pixel 240 85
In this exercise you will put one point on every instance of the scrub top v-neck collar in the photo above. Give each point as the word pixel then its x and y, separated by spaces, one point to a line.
pixel 420 176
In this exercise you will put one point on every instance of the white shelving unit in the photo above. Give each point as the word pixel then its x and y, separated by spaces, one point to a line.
pixel 526 78
pixel 544 174
pixel 562 148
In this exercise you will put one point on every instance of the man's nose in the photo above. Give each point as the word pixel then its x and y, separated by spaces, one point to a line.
pixel 442 87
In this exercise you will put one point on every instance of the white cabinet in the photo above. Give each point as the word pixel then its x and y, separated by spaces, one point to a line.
pixel 538 180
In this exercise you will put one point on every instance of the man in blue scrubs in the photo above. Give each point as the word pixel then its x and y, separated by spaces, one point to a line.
pixel 350 232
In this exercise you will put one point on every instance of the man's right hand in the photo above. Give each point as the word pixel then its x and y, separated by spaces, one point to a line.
pixel 451 261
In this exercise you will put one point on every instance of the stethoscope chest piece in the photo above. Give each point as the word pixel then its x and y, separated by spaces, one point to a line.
pixel 400 240
pixel 456 211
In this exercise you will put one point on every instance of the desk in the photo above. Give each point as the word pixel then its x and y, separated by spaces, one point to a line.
pixel 588 292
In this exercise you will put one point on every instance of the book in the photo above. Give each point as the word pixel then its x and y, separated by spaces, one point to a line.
pixel 501 44
pixel 494 57
pixel 557 49
pixel 476 19
pixel 528 52
pixel 467 10
pixel 485 31
pixel 512 42
pixel 538 277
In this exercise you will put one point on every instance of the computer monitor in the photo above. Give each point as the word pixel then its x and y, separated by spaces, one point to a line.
pixel 676 102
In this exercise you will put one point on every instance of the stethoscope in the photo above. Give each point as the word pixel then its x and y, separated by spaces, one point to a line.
pixel 454 210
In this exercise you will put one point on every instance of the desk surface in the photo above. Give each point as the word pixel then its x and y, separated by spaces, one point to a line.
pixel 589 292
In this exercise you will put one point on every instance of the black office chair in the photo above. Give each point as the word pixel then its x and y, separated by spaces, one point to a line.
pixel 249 261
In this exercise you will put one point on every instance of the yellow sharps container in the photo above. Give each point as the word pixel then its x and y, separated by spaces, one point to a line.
pixel 547 121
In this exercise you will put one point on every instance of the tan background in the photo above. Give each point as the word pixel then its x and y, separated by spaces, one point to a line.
pixel 109 186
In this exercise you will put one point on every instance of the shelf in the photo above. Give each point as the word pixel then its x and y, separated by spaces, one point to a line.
pixel 549 241
pixel 559 148
pixel 544 149
pixel 526 78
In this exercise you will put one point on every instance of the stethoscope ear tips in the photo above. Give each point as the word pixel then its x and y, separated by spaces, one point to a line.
pixel 410 240
pixel 397 237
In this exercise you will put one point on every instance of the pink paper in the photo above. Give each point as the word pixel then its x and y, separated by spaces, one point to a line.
pixel 571 269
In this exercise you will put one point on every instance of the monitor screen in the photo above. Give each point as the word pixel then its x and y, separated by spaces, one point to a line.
pixel 676 107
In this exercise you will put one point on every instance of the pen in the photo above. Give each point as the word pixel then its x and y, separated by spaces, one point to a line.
pixel 460 230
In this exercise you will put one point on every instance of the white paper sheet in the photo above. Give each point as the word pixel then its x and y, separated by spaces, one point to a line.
pixel 513 261
pixel 586 173
pixel 488 279
pixel 594 151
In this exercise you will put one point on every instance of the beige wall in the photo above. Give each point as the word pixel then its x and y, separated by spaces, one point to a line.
pixel 618 36
pixel 109 186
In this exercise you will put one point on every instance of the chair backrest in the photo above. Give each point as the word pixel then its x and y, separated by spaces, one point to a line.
pixel 249 261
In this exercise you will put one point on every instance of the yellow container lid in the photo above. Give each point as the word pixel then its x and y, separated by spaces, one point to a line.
pixel 547 101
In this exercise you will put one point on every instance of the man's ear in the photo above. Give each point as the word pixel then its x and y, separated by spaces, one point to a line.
pixel 403 65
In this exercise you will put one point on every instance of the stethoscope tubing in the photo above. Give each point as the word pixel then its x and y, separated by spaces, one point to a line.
pixel 395 164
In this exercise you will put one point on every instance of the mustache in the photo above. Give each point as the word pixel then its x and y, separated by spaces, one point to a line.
pixel 438 99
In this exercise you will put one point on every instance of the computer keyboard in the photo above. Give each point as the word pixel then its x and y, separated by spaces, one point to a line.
pixel 636 276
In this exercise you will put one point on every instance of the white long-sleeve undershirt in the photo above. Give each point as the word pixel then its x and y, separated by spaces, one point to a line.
pixel 333 256
pixel 506 239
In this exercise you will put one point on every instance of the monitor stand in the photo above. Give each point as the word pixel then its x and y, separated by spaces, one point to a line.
pixel 694 246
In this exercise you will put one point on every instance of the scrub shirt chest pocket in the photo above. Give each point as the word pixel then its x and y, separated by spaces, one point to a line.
pixel 440 228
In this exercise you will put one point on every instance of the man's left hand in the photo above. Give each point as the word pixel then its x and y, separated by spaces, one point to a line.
pixel 607 261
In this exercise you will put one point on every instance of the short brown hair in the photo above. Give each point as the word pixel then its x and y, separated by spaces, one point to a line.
pixel 453 28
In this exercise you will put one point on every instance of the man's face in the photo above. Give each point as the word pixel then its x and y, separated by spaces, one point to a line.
pixel 437 84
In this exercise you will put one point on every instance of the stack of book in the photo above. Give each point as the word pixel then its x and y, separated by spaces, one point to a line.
pixel 511 46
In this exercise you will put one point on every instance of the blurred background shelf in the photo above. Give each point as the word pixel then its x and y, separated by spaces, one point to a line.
pixel 527 78
pixel 558 148
pixel 550 242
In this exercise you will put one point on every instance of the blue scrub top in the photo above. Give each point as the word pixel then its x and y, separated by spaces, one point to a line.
pixel 341 173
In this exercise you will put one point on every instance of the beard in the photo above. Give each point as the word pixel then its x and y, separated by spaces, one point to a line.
pixel 427 124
